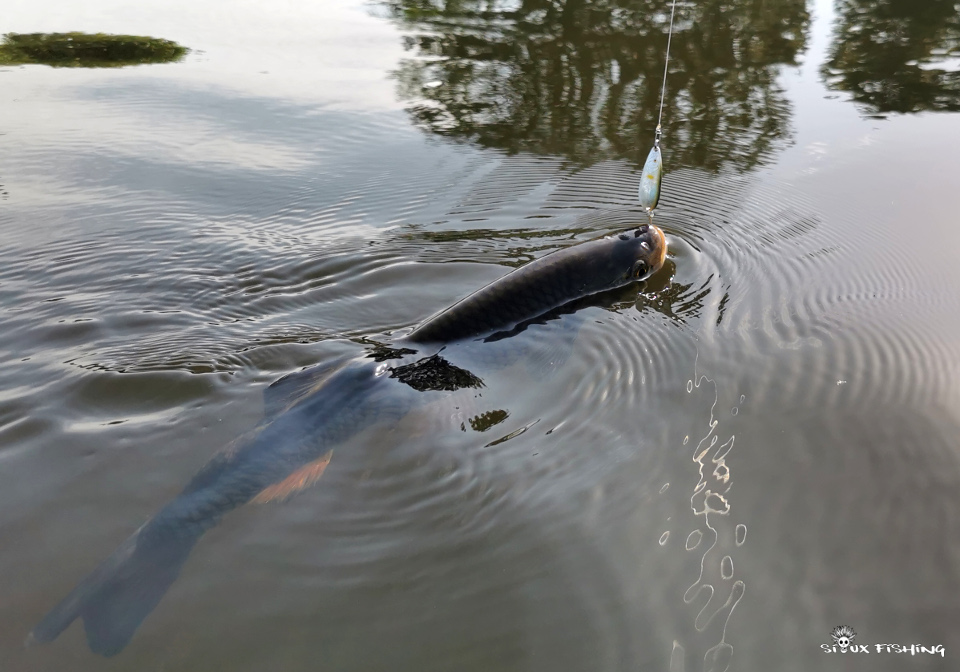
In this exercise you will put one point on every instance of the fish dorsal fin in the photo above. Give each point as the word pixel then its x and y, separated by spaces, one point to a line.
pixel 302 478
pixel 281 394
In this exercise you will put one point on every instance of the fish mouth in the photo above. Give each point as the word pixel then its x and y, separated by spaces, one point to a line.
pixel 660 249
pixel 654 248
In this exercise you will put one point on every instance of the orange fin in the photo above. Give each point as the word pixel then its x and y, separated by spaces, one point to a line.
pixel 302 478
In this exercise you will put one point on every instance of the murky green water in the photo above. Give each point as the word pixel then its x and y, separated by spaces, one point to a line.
pixel 757 445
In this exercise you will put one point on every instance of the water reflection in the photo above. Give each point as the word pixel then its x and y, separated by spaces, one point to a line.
pixel 582 79
pixel 435 374
pixel 487 420
pixel 84 50
pixel 892 55
pixel 678 301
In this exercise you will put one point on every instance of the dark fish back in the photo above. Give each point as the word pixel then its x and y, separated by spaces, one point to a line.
pixel 527 292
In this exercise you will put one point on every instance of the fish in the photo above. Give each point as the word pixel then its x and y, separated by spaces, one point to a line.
pixel 307 414
pixel 650 178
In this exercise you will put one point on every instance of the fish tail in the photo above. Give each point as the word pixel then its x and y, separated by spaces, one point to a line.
pixel 119 594
pixel 115 598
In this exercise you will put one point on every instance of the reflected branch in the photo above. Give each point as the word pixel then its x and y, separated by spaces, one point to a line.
pixel 582 79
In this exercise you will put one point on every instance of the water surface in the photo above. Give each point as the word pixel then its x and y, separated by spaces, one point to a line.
pixel 757 445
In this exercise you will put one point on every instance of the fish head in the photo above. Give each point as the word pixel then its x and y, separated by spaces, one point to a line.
pixel 650 251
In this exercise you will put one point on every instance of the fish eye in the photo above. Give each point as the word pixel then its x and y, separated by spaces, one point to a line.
pixel 640 269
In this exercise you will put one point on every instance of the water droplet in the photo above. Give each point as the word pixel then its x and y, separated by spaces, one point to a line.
pixel 741 534
pixel 686 439
pixel 714 502
pixel 689 386
pixel 693 539
pixel 664 537
pixel 664 488
pixel 726 567
pixel 722 473
pixel 717 658
pixel 735 410
pixel 742 398
pixel 676 658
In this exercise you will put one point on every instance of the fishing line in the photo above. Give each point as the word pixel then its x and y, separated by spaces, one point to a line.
pixel 666 62
pixel 650 178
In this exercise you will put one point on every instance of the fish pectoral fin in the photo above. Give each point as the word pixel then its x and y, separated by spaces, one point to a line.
pixel 302 478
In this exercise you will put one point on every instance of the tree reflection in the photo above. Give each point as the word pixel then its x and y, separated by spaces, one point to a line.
pixel 84 50
pixel 581 79
pixel 885 53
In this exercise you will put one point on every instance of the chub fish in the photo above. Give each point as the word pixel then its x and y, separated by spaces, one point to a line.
pixel 308 413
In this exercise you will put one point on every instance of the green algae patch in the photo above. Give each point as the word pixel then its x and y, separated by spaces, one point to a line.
pixel 86 50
